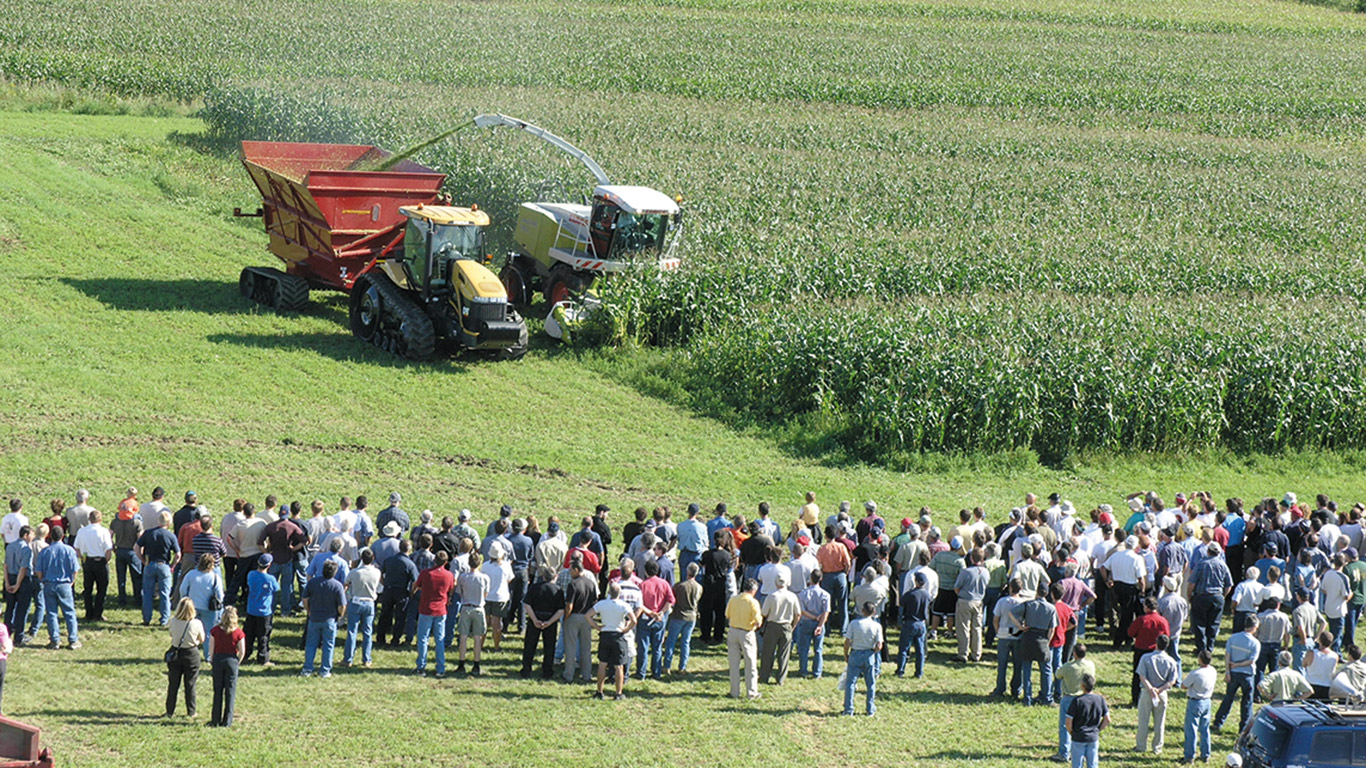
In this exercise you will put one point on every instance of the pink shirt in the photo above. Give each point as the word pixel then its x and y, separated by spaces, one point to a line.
pixel 5 645
pixel 656 594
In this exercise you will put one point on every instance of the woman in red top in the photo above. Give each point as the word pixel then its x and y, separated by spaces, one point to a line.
pixel 229 646
pixel 56 519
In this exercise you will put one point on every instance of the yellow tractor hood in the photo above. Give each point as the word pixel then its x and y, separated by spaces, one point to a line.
pixel 476 281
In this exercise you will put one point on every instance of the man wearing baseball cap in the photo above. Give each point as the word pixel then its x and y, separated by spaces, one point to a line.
pixel 463 530
pixel 261 590
pixel 393 513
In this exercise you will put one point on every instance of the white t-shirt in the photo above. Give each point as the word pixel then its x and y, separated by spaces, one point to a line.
pixel 931 580
pixel 473 588
pixel 1337 590
pixel 500 580
pixel 93 541
pixel 612 614
pixel 1319 666
pixel 9 527
pixel 768 577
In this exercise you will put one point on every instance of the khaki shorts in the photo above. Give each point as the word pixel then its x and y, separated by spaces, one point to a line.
pixel 472 622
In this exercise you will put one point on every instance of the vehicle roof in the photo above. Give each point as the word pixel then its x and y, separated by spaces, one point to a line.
pixel 1309 713
pixel 447 214
pixel 637 199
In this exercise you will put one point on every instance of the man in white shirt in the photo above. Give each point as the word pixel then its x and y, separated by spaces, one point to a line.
pixel 614 619
pixel 95 546
pixel 1127 581
pixel 800 568
pixel 16 519
pixel 1336 590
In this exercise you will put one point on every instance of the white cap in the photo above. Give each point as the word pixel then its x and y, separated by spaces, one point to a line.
pixel 464 515
pixel 871 506
pixel 1136 504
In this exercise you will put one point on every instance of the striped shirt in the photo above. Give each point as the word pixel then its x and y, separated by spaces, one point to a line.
pixel 206 543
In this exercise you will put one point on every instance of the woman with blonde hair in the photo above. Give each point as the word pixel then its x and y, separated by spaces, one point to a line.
pixel 229 646
pixel 182 660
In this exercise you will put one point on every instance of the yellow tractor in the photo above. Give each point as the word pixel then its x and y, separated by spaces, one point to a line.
pixel 440 288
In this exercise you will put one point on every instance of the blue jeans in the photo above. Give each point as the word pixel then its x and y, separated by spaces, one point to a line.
pixel 1350 628
pixel 649 645
pixel 1267 661
pixel 1335 629
pixel 805 637
pixel 1239 685
pixel 912 635
pixel 838 586
pixel 1081 622
pixel 680 636
pixel 55 596
pixel 1297 653
pixel 452 619
pixel 1053 668
pixel 320 633
pixel 1005 654
pixel 360 614
pixel 210 620
pixel 39 616
pixel 1064 738
pixel 1085 753
pixel 156 586
pixel 685 559
pixel 284 599
pixel 862 664
pixel 434 626
pixel 1197 724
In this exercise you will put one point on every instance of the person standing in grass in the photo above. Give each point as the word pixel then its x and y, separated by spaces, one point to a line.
pixel 1069 677
pixel 39 616
pixel 362 589
pixel 1087 716
pixel 915 619
pixel 159 552
pixel 835 561
pixel 1157 673
pixel 474 589
pixel 780 612
pixel 205 589
pixel 229 648
pixel 810 630
pixel 95 546
pixel 6 648
pixel 971 588
pixel 1199 685
pixel 183 660
pixel 324 603
pixel 15 520
pixel 863 643
pixel 543 607
pixel 1240 654
pixel 657 601
pixel 580 594
pixel 744 616
pixel 56 567
pixel 434 587
pixel 125 530
pixel 261 589
pixel 687 596
pixel 613 618
pixel 19 582
pixel 718 569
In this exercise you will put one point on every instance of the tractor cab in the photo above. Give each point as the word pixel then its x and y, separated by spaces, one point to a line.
pixel 436 238
pixel 626 221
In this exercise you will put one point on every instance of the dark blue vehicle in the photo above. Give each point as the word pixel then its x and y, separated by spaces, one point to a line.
pixel 1305 734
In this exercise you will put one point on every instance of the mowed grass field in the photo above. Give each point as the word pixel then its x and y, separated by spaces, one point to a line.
pixel 131 359
pixel 1130 181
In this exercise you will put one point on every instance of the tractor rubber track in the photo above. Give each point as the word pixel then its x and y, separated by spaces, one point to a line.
pixel 404 329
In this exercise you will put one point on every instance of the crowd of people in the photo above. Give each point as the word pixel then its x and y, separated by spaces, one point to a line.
pixel 1029 587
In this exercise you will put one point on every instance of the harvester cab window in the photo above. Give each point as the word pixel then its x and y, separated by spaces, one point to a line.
pixel 639 232
pixel 602 228
pixel 415 250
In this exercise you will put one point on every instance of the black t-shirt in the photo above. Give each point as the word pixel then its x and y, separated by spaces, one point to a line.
pixel 716 563
pixel 755 550
pixel 545 598
pixel 582 593
pixel 1087 712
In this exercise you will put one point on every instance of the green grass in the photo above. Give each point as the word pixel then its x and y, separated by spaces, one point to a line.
pixel 132 360
pixel 1025 189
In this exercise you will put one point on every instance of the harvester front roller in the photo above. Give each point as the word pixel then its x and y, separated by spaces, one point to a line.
pixel 384 316
pixel 273 288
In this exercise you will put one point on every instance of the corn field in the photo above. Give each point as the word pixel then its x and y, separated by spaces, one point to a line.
pixel 953 226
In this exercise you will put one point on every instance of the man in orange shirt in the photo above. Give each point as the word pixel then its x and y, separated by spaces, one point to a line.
pixel 835 561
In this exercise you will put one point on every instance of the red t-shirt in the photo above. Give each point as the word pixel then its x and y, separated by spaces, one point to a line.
pixel 590 559
pixel 1221 537
pixel 435 585
pixel 226 642
pixel 1145 630
pixel 1065 614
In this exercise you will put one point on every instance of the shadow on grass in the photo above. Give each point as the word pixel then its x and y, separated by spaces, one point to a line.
pixel 107 717
pixel 133 294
